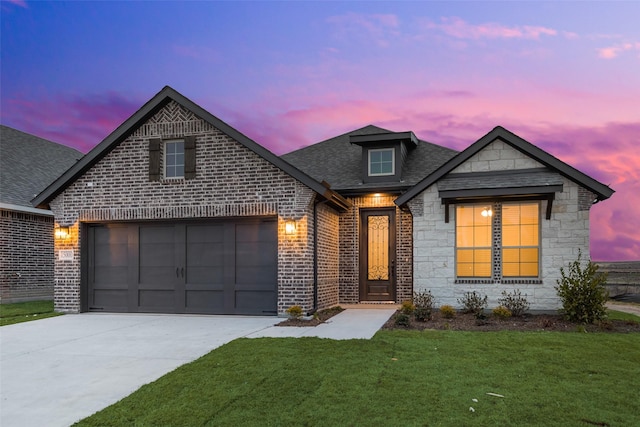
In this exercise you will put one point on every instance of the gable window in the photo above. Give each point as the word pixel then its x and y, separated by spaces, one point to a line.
pixel 174 159
pixel 498 241
pixel 381 162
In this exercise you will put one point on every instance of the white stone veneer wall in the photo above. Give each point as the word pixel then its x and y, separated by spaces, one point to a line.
pixel 562 237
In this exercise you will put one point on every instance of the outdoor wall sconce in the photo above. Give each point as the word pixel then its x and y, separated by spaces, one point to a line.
pixel 290 227
pixel 61 232
pixel 486 212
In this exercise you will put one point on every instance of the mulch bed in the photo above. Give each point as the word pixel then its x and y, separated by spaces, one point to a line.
pixel 528 322
pixel 320 317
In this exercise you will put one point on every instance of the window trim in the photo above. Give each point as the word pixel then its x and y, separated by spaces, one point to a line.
pixel 497 275
pixel 393 161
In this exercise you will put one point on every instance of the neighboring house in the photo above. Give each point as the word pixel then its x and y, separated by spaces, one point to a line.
pixel 177 212
pixel 27 165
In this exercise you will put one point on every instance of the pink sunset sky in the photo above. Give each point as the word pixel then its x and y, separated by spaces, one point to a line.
pixel 563 75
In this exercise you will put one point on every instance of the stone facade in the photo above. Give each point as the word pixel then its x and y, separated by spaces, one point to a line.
pixel 26 256
pixel 561 237
pixel 350 248
pixel 231 181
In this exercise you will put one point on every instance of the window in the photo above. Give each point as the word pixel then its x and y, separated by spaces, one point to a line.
pixel 473 241
pixel 174 159
pixel 381 162
pixel 520 240
pixel 508 237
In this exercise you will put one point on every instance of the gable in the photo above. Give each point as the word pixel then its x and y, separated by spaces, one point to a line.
pixel 171 114
pixel 504 151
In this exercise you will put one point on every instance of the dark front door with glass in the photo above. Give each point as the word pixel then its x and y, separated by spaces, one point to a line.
pixel 377 254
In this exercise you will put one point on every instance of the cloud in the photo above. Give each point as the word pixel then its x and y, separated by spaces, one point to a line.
pixel 459 28
pixel 615 50
pixel 79 121
pixel 380 28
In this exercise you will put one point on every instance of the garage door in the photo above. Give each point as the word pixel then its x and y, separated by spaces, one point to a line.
pixel 222 267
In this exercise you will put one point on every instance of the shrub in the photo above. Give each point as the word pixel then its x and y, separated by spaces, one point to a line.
pixel 294 312
pixel 582 292
pixel 514 302
pixel 402 319
pixel 407 308
pixel 448 312
pixel 423 302
pixel 501 312
pixel 473 303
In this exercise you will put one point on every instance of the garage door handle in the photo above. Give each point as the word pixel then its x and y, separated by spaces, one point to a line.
pixel 182 272
pixel 177 271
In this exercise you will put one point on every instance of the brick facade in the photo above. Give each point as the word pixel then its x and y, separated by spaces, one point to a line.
pixel 26 256
pixel 231 181
pixel 561 237
pixel 350 248
pixel 328 256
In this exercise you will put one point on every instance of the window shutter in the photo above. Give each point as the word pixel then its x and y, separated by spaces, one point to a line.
pixel 154 159
pixel 189 157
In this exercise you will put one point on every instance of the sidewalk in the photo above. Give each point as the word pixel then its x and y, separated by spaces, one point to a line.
pixel 625 307
pixel 357 323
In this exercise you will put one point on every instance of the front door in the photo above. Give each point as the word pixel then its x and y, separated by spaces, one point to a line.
pixel 377 254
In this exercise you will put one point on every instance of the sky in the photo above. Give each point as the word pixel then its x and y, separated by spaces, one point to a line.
pixel 565 76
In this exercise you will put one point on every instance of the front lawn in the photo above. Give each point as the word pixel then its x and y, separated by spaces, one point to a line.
pixel 399 378
pixel 25 312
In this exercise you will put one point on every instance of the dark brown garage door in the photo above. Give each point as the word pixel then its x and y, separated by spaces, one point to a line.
pixel 222 267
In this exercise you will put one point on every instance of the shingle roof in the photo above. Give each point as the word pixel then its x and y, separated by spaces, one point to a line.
pixel 338 162
pixel 512 179
pixel 28 164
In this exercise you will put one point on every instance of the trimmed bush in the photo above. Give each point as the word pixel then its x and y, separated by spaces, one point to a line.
pixel 473 303
pixel 583 292
pixel 407 308
pixel 423 302
pixel 402 319
pixel 294 312
pixel 448 312
pixel 514 302
pixel 501 312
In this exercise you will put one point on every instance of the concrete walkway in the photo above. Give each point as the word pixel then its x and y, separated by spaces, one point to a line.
pixel 626 307
pixel 59 370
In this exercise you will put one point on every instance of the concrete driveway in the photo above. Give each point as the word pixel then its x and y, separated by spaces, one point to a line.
pixel 57 371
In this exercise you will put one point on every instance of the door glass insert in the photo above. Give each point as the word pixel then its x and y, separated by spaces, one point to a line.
pixel 378 244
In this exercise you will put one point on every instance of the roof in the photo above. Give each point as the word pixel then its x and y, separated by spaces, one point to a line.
pixel 499 183
pixel 160 100
pixel 28 164
pixel 601 191
pixel 338 161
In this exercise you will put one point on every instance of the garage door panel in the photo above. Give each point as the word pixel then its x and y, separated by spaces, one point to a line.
pixel 259 277
pixel 255 302
pixel 222 267
pixel 204 301
pixel 212 276
pixel 156 299
pixel 112 299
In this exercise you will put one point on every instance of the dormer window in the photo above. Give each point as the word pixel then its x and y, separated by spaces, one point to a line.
pixel 381 162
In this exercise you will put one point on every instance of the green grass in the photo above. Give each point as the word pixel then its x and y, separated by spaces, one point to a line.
pixel 399 378
pixel 26 311
pixel 619 315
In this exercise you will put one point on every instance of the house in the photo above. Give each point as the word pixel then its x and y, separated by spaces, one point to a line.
pixel 27 165
pixel 177 212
